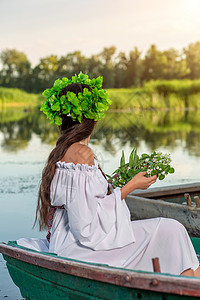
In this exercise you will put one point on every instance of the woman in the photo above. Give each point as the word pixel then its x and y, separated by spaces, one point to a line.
pixel 87 220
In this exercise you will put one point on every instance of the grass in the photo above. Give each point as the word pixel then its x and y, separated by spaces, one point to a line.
pixel 10 97
pixel 157 94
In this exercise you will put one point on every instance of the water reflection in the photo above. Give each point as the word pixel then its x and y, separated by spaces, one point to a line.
pixel 157 128
pixel 26 138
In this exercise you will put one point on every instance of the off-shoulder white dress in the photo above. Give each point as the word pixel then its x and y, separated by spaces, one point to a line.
pixel 96 227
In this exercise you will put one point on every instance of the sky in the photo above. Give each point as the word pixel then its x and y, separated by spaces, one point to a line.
pixel 40 28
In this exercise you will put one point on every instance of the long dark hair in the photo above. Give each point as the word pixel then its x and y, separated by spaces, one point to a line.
pixel 71 132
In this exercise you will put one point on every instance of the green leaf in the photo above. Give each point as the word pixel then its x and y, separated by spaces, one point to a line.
pixel 56 106
pixel 144 156
pixel 122 161
pixel 150 165
pixel 45 107
pixel 66 111
pixel 167 168
pixel 109 101
pixel 58 85
pixel 131 173
pixel 87 93
pixel 90 115
pixel 76 111
pixel 72 98
pixel 116 171
pixel 74 78
pixel 100 106
pixel 66 81
pixel 100 115
pixel 79 118
pixel 171 170
pixel 135 160
pixel 110 177
pixel 58 120
pixel 161 177
pixel 53 99
pixel 73 116
pixel 154 172
pixel 131 158
pixel 84 105
pixel 47 93
pixel 101 93
pixel 63 99
pixel 99 81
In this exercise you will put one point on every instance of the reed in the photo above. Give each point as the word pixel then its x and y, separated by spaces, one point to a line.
pixel 157 94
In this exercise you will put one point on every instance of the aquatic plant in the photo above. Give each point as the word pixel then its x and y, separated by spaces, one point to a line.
pixel 156 163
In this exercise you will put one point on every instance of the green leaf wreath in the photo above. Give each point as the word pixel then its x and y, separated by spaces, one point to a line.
pixel 89 104
pixel 156 163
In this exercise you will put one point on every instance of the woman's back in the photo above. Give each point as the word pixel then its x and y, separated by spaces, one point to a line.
pixel 79 153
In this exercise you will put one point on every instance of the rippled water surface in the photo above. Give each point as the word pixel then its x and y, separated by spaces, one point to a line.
pixel 26 139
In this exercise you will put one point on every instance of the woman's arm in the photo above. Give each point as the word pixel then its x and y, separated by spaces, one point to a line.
pixel 139 181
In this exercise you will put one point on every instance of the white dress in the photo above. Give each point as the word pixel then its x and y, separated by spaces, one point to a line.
pixel 96 227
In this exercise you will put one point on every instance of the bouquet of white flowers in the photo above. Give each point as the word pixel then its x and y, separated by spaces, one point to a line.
pixel 156 163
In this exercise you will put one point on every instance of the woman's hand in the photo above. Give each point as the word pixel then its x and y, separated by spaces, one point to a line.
pixel 139 181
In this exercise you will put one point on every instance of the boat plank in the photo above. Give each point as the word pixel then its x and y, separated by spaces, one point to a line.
pixel 138 280
pixel 168 190
pixel 159 202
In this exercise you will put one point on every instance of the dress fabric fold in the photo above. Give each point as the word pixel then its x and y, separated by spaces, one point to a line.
pixel 96 227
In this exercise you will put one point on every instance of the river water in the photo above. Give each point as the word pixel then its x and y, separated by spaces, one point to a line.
pixel 26 139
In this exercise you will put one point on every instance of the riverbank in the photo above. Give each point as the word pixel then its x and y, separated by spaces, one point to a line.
pixel 155 94
pixel 10 97
pixel 158 94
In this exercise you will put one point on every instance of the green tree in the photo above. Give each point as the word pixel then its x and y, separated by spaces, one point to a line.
pixel 15 70
pixel 154 64
pixel 94 66
pixel 72 64
pixel 176 66
pixel 45 73
pixel 192 53
pixel 108 71
pixel 63 66
pixel 134 68
pixel 120 70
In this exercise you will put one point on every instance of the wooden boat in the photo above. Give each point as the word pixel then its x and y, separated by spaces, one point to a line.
pixel 48 277
pixel 168 202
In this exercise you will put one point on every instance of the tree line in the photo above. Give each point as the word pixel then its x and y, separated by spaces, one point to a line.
pixel 120 70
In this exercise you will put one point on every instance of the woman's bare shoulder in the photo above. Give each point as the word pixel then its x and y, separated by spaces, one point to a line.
pixel 79 153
